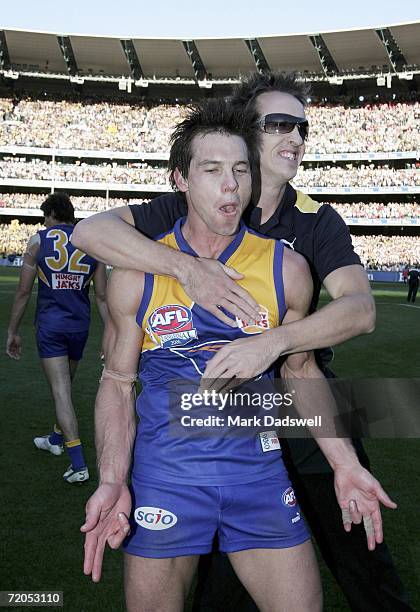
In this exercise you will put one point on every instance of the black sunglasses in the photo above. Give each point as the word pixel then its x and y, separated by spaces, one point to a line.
pixel 279 123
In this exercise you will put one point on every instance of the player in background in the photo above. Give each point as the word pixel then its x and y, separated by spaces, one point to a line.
pixel 62 320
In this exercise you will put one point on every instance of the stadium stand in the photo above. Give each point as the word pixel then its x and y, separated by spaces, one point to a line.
pixel 77 127
pixel 103 136
pixel 351 175
pixel 122 127
pixel 376 252
pixel 350 210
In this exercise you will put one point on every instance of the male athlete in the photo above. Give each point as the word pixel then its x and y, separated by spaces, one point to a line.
pixel 62 320
pixel 185 490
pixel 367 578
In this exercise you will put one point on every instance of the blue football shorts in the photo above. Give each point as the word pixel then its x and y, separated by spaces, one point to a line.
pixel 61 343
pixel 170 520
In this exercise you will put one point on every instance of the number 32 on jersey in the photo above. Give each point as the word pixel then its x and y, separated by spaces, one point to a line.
pixel 61 256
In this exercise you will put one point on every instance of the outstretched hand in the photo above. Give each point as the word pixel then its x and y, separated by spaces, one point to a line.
pixel 359 496
pixel 107 513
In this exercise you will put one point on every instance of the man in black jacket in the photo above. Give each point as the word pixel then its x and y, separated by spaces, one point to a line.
pixel 413 285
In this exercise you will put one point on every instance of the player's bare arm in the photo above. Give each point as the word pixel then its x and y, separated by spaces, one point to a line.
pixel 22 297
pixel 358 493
pixel 108 509
pixel 110 237
pixel 99 283
pixel 350 313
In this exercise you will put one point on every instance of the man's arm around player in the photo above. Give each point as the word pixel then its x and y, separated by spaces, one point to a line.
pixel 350 313
pixel 111 237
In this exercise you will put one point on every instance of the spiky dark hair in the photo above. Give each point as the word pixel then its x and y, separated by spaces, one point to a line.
pixel 213 115
pixel 246 93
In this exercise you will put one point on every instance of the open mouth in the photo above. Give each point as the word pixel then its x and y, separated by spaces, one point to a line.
pixel 229 210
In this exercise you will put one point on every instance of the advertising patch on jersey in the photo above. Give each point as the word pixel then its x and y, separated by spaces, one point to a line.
pixel 154 519
pixel 262 325
pixel 269 441
pixel 63 280
pixel 171 326
pixel 289 498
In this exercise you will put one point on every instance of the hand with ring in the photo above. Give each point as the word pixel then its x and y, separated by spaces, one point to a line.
pixel 359 495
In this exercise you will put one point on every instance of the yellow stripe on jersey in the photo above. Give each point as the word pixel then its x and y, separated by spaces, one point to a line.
pixel 254 258
pixel 165 291
pixel 42 277
pixel 306 204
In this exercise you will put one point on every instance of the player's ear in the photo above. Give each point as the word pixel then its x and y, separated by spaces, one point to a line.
pixel 180 181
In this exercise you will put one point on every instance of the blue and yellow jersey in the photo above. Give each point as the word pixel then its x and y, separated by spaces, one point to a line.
pixel 64 274
pixel 180 337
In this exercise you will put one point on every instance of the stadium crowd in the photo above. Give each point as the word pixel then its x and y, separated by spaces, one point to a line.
pixel 80 203
pixel 377 210
pixel 357 176
pixel 124 127
pixel 76 125
pixel 371 127
pixel 388 252
pixel 360 210
pixel 15 235
pixel 142 173
pixel 38 169
pixel 94 125
pixel 376 252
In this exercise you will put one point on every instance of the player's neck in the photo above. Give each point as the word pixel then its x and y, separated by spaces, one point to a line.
pixel 51 221
pixel 271 196
pixel 203 241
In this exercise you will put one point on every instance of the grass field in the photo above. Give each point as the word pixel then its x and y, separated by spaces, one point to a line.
pixel 42 548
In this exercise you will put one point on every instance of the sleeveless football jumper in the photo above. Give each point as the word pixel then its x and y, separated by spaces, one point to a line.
pixel 180 337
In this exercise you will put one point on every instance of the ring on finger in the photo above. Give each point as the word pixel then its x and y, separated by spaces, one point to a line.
pixel 345 512
pixel 368 524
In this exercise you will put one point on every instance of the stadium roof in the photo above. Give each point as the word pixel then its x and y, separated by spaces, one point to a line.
pixel 389 49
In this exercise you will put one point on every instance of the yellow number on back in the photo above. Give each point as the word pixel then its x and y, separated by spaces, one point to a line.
pixel 61 256
pixel 75 264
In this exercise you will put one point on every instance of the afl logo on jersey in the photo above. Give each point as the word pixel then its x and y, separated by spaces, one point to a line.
pixel 171 325
pixel 288 498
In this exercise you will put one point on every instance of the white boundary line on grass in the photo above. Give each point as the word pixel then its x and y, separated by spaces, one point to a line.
pixel 409 306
